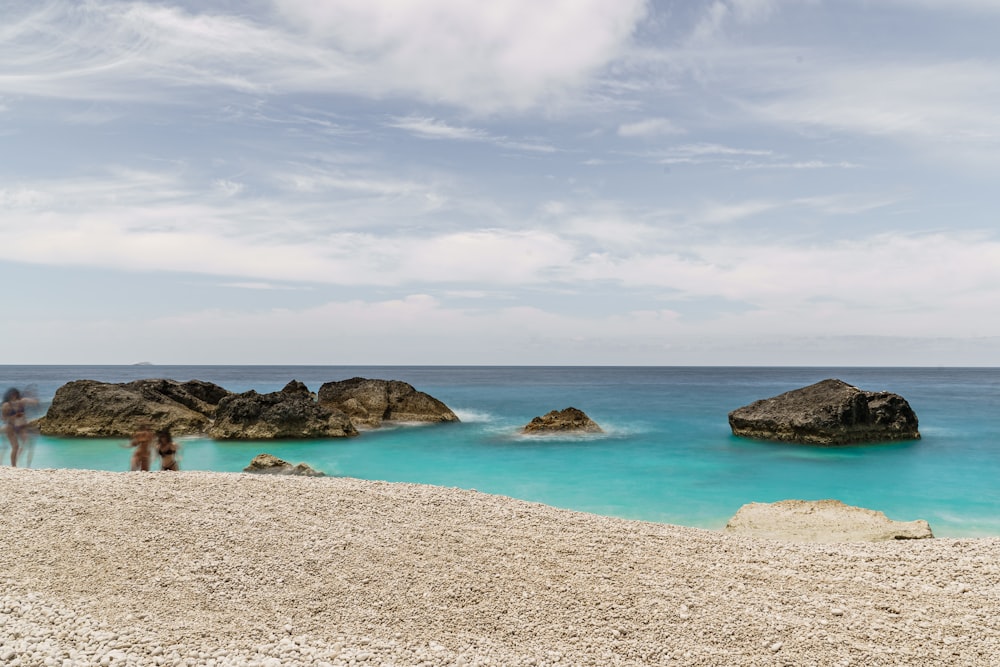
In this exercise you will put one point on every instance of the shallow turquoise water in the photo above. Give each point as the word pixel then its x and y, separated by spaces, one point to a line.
pixel 667 456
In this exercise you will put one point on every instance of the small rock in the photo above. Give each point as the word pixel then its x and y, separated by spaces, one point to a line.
pixel 569 420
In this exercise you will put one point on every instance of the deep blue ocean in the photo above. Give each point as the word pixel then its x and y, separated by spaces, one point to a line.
pixel 667 455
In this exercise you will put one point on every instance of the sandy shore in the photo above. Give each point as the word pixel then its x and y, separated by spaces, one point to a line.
pixel 234 569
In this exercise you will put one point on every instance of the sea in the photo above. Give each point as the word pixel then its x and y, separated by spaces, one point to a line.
pixel 667 454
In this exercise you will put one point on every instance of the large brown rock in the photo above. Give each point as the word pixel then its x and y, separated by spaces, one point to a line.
pixel 569 420
pixel 830 412
pixel 822 521
pixel 370 402
pixel 88 408
pixel 291 413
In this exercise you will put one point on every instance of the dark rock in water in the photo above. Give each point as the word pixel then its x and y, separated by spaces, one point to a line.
pixel 569 420
pixel 830 412
pixel 822 521
pixel 268 464
pixel 291 413
pixel 370 402
pixel 88 408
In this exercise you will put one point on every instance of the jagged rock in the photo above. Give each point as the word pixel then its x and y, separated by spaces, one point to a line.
pixel 268 464
pixel 822 521
pixel 563 421
pixel 287 414
pixel 830 412
pixel 370 402
pixel 88 408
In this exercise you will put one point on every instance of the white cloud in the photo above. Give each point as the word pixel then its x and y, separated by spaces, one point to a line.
pixel 707 152
pixel 141 221
pixel 500 55
pixel 986 6
pixel 229 188
pixel 884 283
pixel 728 213
pixel 311 180
pixel 649 127
pixel 937 102
pixel 511 55
pixel 431 128
pixel 254 286
pixel 804 164
pixel 720 13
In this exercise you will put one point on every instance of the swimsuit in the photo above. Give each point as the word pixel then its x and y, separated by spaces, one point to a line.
pixel 168 462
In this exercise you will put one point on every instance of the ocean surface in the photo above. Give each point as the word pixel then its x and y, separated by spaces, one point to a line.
pixel 667 455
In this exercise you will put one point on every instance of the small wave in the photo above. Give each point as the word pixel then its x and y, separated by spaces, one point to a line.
pixel 474 416
pixel 624 431
pixel 519 436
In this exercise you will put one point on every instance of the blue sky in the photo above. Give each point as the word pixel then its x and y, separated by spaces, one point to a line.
pixel 800 182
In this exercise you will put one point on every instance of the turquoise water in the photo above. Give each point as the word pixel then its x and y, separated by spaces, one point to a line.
pixel 668 454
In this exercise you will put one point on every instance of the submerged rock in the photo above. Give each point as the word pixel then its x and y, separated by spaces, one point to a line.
pixel 370 402
pixel 822 521
pixel 268 464
pixel 88 408
pixel 291 413
pixel 830 412
pixel 569 420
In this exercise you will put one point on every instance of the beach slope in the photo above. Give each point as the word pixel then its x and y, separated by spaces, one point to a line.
pixel 237 569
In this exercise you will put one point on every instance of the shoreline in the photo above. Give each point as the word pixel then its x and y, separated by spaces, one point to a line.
pixel 239 569
pixel 947 525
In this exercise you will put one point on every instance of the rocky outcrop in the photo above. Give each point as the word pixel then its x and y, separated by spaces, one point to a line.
pixel 830 412
pixel 88 408
pixel 268 464
pixel 370 402
pixel 822 521
pixel 570 420
pixel 291 413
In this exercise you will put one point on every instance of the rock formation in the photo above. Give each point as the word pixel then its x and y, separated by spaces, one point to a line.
pixel 371 402
pixel 822 521
pixel 268 464
pixel 570 420
pixel 290 413
pixel 88 408
pixel 830 412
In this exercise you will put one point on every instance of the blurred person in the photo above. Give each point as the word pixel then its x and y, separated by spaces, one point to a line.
pixel 13 411
pixel 142 441
pixel 31 403
pixel 167 450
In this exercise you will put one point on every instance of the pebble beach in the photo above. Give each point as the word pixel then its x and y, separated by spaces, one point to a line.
pixel 199 568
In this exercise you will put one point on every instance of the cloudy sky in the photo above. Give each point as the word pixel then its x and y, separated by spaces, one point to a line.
pixel 807 182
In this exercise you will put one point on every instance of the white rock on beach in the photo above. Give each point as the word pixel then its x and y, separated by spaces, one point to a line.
pixel 210 568
pixel 822 521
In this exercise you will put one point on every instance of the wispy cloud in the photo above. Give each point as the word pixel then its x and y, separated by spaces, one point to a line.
pixel 649 127
pixel 707 152
pixel 804 164
pixel 229 188
pixel 441 50
pixel 935 102
pixel 248 285
pixel 985 6
pixel 432 128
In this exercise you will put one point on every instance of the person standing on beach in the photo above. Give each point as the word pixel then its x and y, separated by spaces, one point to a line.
pixel 13 411
pixel 167 449
pixel 143 443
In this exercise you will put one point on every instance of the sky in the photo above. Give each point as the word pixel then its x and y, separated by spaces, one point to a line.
pixel 587 182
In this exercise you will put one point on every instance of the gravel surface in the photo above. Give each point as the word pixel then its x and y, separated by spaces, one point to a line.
pixel 198 568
